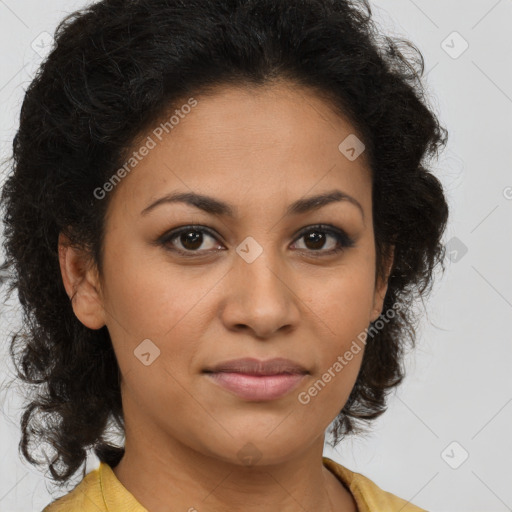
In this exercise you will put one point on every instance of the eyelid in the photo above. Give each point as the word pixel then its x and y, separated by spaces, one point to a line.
pixel 170 235
pixel 341 236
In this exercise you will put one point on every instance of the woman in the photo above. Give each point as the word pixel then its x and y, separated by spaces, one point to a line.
pixel 218 217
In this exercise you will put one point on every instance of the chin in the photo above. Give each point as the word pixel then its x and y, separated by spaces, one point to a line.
pixel 259 448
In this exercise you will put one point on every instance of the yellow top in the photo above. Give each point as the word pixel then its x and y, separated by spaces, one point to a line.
pixel 101 491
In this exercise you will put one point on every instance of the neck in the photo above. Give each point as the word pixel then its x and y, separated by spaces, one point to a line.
pixel 192 481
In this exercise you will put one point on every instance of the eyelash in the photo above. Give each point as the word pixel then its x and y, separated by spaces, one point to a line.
pixel 343 240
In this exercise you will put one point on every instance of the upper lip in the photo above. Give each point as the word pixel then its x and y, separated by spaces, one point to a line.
pixel 251 366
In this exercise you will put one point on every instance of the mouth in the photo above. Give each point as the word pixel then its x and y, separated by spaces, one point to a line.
pixel 255 380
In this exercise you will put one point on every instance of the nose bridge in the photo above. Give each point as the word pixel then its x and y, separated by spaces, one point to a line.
pixel 259 296
pixel 258 266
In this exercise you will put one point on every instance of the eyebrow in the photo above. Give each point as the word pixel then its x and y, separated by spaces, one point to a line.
pixel 219 208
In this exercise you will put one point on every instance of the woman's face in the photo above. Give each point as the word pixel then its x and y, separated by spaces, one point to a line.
pixel 253 278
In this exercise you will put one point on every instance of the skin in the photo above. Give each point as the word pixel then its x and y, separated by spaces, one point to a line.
pixel 258 150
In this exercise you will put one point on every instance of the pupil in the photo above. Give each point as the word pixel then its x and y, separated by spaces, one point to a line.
pixel 318 239
pixel 192 240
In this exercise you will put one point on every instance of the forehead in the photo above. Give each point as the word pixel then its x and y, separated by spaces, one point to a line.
pixel 265 143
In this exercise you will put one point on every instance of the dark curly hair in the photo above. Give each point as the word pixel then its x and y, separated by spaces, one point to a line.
pixel 116 67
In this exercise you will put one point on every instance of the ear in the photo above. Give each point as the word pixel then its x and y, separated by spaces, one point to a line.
pixel 382 285
pixel 82 284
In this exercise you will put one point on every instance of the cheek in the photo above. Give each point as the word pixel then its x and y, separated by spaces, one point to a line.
pixel 342 314
pixel 146 302
pixel 154 394
pixel 147 295
pixel 326 395
pixel 343 305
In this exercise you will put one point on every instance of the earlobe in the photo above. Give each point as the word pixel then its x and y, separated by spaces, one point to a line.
pixel 82 284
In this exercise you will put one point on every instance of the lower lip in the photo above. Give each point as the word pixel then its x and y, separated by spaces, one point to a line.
pixel 254 387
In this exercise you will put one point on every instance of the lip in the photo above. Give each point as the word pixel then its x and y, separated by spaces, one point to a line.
pixel 256 380
pixel 252 366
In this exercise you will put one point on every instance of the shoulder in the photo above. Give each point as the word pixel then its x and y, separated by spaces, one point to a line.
pixel 368 495
pixel 85 497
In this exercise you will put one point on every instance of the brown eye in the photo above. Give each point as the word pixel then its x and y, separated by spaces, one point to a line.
pixel 322 240
pixel 316 238
pixel 190 239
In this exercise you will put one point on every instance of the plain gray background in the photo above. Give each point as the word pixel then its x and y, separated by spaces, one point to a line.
pixel 445 441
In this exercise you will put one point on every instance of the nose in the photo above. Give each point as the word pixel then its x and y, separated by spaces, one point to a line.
pixel 260 297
